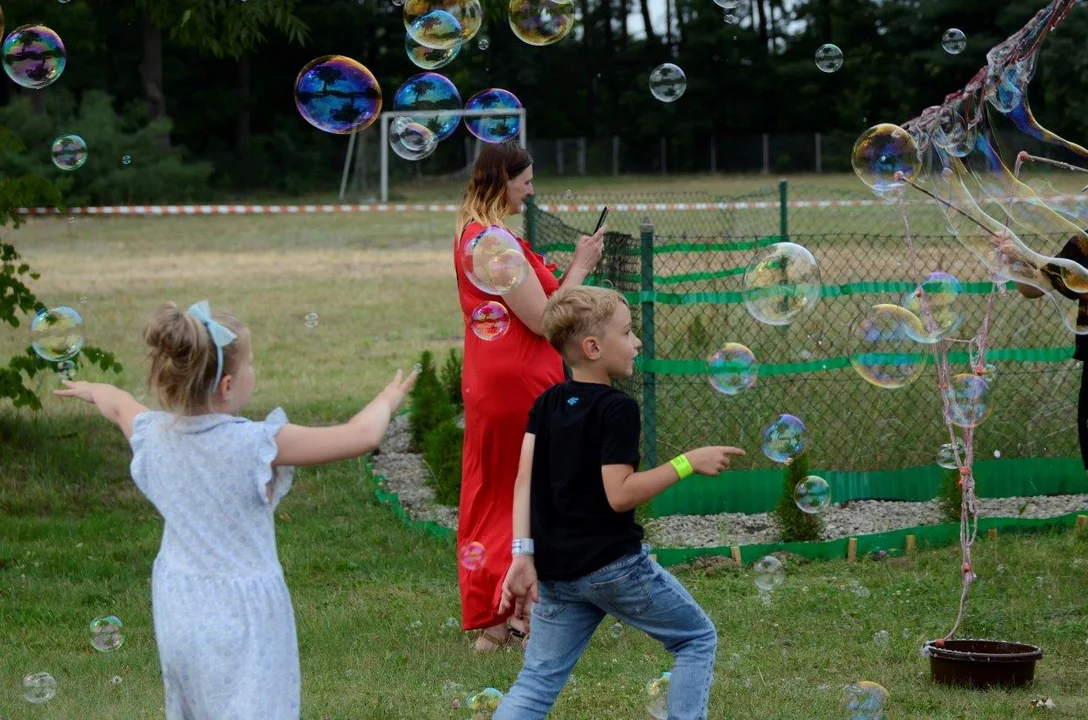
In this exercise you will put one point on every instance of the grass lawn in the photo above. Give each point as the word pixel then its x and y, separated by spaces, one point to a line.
pixel 77 540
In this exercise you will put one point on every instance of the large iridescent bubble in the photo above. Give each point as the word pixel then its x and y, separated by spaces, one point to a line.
pixel 338 95
pixel 410 140
pixel 429 58
pixel 436 29
pixel 430 91
pixel 468 13
pixel 941 294
pixel 884 157
pixel 34 56
pixel 69 152
pixel 883 348
pixel 494 261
pixel 494 128
pixel 541 22
pixel 781 284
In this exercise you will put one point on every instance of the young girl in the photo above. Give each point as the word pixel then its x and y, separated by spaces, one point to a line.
pixel 224 624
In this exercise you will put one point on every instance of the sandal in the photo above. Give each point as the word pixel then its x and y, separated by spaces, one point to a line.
pixel 522 635
pixel 491 642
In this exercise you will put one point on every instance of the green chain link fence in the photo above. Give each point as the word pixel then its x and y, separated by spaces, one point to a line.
pixel 680 260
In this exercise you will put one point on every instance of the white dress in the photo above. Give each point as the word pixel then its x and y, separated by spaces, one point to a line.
pixel 224 624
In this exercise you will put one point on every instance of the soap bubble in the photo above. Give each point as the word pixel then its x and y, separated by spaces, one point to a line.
pixel 881 154
pixel 616 630
pixel 727 5
pixel 541 22
pixel 768 573
pixel 783 439
pixel 781 283
pixel 489 321
pixel 668 82
pixel 410 140
pixel 864 700
pixel 494 261
pixel 829 58
pixel 954 41
pixel 483 704
pixel 473 556
pixel 106 633
pixel 946 456
pixel 428 58
pixel 968 400
pixel 311 320
pixel 732 369
pixel 812 494
pixel 337 95
pixel 69 152
pixel 731 19
pixel 880 637
pixel 126 159
pixel 33 56
pixel 436 29
pixel 57 334
pixel 941 291
pixel 883 350
pixel 468 13
pixel 39 687
pixel 493 128
pixel 430 91
pixel 657 696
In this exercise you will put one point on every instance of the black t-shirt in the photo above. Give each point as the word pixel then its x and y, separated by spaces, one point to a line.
pixel 579 427
pixel 1077 251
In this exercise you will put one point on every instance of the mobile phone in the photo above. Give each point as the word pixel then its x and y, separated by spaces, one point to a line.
pixel 601 219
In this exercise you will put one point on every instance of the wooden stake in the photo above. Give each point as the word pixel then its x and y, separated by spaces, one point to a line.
pixel 992 533
pixel 851 550
pixel 1082 521
pixel 910 544
pixel 735 552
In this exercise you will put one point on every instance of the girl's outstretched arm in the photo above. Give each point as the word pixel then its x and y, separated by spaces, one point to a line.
pixel 116 405
pixel 299 445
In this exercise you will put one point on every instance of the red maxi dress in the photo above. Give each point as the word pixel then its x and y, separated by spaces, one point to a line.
pixel 500 381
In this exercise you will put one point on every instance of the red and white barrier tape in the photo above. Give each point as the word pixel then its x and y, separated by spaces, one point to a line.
pixel 193 210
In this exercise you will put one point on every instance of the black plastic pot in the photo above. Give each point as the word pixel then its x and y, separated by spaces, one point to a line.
pixel 982 663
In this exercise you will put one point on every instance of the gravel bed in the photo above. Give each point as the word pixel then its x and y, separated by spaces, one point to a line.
pixel 406 475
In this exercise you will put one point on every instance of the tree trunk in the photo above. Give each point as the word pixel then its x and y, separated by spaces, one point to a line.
pixel 772 48
pixel 151 73
pixel 668 27
pixel 651 39
pixel 587 58
pixel 242 134
pixel 825 20
pixel 624 10
pixel 763 38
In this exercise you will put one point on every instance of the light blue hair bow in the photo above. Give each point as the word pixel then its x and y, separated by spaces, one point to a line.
pixel 221 335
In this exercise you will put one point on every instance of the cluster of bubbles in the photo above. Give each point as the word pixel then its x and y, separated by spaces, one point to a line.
pixel 105 634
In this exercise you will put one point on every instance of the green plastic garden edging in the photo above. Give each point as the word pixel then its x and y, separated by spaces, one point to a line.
pixel 904 480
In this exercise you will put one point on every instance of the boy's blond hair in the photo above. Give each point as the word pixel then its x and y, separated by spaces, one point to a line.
pixel 572 314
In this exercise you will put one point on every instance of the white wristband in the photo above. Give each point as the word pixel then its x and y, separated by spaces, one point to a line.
pixel 522 546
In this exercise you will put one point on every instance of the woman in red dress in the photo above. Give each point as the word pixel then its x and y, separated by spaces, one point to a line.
pixel 500 381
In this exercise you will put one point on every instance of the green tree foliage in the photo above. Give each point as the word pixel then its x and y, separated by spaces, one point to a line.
pixel 431 404
pixel 451 378
pixel 17 300
pixel 442 456
pixel 950 495
pixel 796 525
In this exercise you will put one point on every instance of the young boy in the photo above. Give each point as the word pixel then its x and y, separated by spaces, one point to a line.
pixel 574 500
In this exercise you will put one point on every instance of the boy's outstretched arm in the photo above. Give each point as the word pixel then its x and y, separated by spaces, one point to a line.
pixel 627 489
pixel 116 405
pixel 520 581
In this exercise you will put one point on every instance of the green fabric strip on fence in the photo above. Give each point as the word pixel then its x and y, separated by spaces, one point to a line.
pixel 699 367
pixel 664 248
pixel 757 491
pixel 826 291
pixel 925 535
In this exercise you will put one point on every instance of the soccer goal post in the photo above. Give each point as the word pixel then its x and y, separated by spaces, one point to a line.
pixel 388 116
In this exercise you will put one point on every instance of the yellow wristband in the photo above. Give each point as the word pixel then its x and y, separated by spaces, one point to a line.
pixel 682 466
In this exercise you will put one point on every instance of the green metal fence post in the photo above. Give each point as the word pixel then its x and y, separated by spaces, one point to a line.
pixel 649 380
pixel 530 221
pixel 783 211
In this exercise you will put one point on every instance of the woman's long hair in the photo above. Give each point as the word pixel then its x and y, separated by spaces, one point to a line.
pixel 485 199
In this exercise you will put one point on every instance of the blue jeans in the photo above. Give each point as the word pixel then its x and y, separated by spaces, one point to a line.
pixel 642 594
